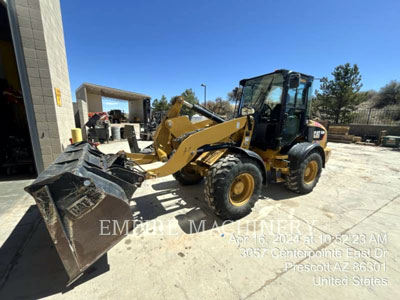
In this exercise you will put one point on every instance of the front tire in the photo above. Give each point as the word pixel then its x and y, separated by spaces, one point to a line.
pixel 186 176
pixel 232 187
pixel 305 178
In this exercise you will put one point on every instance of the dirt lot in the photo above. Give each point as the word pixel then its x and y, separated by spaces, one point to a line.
pixel 348 225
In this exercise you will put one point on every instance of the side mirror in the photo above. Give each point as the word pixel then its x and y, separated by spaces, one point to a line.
pixel 247 111
pixel 294 81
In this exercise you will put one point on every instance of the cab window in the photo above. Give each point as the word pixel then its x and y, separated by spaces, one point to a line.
pixel 274 97
pixel 296 97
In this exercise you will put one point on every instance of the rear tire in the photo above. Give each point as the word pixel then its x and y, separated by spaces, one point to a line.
pixel 305 178
pixel 185 176
pixel 232 187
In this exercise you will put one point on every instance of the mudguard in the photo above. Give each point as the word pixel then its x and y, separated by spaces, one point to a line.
pixel 300 151
pixel 254 156
pixel 82 187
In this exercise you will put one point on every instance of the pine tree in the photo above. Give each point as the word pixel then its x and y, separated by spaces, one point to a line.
pixel 340 95
pixel 189 96
pixel 160 105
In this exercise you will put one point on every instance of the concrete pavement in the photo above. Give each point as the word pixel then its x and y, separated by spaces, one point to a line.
pixel 329 244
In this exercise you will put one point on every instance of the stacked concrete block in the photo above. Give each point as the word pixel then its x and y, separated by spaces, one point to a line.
pixel 82 110
pixel 41 31
pixel 94 101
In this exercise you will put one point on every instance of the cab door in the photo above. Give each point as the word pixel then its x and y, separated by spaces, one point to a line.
pixel 294 118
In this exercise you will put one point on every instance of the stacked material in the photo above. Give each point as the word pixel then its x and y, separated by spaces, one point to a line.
pixel 391 141
pixel 382 135
pixel 340 134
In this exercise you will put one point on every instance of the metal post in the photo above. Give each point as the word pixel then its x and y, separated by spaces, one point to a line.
pixel 205 94
pixel 369 115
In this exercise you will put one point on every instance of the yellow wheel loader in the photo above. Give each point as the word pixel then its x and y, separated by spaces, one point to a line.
pixel 270 138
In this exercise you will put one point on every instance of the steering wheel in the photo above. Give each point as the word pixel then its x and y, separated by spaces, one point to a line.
pixel 266 111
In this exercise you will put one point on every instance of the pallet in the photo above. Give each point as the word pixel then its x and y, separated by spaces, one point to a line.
pixel 339 127
pixel 341 141
pixel 340 138
pixel 340 134
pixel 339 130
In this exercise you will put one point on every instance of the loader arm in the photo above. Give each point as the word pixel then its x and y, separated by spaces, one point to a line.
pixel 177 139
pixel 175 127
pixel 187 149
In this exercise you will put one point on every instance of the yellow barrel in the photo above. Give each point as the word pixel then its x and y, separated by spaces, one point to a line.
pixel 76 135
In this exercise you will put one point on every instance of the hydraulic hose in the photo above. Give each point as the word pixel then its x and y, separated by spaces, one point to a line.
pixel 204 112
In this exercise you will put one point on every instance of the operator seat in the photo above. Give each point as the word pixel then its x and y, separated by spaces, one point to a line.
pixel 275 113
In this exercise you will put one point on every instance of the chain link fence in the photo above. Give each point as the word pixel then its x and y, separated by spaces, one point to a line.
pixel 375 117
pixel 370 116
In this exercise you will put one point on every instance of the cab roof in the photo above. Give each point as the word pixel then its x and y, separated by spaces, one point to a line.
pixel 283 71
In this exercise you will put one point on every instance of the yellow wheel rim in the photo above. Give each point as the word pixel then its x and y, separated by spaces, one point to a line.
pixel 241 190
pixel 311 172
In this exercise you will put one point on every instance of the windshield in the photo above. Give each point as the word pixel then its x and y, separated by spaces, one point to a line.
pixel 263 90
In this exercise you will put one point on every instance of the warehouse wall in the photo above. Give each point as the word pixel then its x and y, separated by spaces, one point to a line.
pixel 41 31
pixel 59 75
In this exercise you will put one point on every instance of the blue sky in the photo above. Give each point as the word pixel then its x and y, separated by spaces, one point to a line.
pixel 164 47
pixel 109 104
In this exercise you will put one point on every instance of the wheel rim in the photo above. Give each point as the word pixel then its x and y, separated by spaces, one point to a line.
pixel 241 190
pixel 310 173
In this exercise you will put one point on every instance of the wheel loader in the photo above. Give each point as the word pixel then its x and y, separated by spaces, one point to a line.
pixel 271 138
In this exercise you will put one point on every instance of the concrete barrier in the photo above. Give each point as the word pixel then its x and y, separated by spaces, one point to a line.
pixel 362 129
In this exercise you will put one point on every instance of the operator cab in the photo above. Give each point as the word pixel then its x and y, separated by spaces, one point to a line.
pixel 280 103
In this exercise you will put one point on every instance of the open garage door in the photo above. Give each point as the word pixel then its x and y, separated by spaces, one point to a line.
pixel 16 153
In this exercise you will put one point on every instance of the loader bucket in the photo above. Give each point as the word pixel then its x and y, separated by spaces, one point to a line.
pixel 82 187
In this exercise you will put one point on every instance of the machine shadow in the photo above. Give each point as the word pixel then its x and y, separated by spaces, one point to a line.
pixel 277 192
pixel 37 270
pixel 171 197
